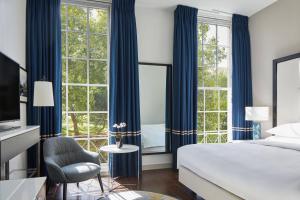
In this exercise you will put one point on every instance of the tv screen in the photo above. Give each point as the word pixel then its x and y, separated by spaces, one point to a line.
pixel 9 89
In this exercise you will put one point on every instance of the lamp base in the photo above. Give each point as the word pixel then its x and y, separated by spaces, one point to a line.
pixel 256 126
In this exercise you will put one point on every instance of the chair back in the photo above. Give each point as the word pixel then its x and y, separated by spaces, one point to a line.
pixel 62 150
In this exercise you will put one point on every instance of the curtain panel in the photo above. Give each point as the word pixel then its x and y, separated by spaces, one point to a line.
pixel 184 117
pixel 43 61
pixel 241 78
pixel 124 95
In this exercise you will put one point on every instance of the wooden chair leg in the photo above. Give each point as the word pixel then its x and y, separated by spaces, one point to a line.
pixel 100 181
pixel 65 191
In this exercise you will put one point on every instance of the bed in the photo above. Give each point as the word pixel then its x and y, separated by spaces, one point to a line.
pixel 255 170
pixel 270 170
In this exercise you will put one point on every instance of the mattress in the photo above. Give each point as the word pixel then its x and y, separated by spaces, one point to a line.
pixel 259 170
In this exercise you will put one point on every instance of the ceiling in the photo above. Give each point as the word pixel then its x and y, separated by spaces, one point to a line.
pixel 243 7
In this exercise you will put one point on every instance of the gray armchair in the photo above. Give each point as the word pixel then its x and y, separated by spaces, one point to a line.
pixel 67 162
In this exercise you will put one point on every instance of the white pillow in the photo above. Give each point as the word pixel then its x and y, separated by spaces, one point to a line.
pixel 283 139
pixel 286 130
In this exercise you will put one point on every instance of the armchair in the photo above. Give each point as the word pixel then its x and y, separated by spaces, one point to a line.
pixel 67 162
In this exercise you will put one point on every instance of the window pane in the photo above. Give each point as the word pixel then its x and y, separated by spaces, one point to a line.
pixel 77 98
pixel 223 100
pixel 63 66
pixel 224 138
pixel 77 45
pixel 77 18
pixel 223 35
pixel 210 77
pixel 78 125
pixel 77 71
pixel 98 99
pixel 200 100
pixel 95 145
pixel 64 125
pixel 211 121
pixel 223 57
pixel 98 21
pixel 212 138
pixel 222 77
pixel 202 28
pixel 98 46
pixel 201 139
pixel 223 121
pixel 63 17
pixel 211 100
pixel 63 98
pixel 98 72
pixel 200 56
pixel 210 34
pixel 98 125
pixel 63 44
pixel 83 144
pixel 200 122
pixel 209 55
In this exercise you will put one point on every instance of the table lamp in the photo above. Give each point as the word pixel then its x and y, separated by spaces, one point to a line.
pixel 257 115
pixel 43 95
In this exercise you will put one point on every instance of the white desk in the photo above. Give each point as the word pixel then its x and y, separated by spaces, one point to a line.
pixel 23 189
pixel 16 141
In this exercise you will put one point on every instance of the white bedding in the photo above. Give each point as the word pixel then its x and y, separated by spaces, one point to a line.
pixel 260 170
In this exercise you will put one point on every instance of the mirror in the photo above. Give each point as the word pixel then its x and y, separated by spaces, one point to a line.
pixel 286 91
pixel 155 103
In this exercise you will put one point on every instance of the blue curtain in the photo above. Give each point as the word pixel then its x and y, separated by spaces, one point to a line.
pixel 184 118
pixel 241 78
pixel 124 103
pixel 43 61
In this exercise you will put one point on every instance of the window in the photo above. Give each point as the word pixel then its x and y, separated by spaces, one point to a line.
pixel 85 74
pixel 214 93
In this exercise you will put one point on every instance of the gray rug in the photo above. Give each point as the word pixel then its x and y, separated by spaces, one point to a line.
pixel 136 195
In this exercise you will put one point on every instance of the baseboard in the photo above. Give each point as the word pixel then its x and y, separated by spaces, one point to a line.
pixel 157 166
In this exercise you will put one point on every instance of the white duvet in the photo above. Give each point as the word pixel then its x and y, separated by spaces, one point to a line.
pixel 260 170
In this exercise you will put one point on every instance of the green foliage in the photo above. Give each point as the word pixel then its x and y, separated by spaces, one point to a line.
pixel 84 51
pixel 212 72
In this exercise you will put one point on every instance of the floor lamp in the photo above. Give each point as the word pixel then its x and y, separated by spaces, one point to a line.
pixel 42 97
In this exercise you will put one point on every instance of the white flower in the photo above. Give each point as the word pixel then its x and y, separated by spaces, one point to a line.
pixel 121 125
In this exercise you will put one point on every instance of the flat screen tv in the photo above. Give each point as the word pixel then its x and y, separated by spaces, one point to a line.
pixel 9 89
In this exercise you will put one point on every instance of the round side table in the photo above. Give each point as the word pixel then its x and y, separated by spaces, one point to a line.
pixel 126 148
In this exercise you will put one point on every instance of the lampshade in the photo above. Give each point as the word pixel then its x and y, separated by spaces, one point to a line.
pixel 43 94
pixel 257 114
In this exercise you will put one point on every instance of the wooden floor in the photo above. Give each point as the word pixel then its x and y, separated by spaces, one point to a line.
pixel 160 181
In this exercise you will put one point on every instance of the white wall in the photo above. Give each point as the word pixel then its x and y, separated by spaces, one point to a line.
pixel 12 43
pixel 155 43
pixel 275 32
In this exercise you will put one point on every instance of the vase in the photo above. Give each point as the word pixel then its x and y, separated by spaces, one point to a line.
pixel 119 140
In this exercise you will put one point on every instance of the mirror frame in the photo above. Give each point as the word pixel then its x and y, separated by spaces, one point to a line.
pixel 275 67
pixel 169 66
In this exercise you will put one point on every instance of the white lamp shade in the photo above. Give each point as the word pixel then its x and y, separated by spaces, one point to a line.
pixel 43 94
pixel 257 114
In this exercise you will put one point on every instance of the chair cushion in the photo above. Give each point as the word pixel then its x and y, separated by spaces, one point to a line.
pixel 80 171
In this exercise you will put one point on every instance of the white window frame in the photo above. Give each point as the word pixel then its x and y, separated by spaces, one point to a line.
pixel 88 5
pixel 219 21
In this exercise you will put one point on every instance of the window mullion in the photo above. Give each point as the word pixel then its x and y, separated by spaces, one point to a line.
pixel 67 70
pixel 88 74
